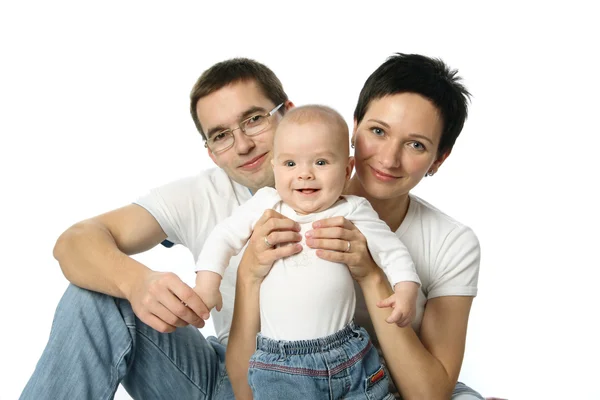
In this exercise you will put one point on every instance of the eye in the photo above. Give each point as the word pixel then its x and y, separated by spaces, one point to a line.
pixel 417 146
pixel 255 120
pixel 219 136
pixel 321 162
pixel 289 163
pixel 377 131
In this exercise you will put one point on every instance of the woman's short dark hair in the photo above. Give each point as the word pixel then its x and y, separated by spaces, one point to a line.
pixel 429 77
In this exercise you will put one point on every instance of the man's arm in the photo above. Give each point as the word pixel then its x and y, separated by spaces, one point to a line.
pixel 94 254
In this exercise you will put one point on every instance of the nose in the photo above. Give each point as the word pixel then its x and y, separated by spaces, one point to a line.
pixel 306 174
pixel 390 156
pixel 243 144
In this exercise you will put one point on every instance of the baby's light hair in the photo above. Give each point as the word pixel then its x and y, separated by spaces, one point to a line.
pixel 318 113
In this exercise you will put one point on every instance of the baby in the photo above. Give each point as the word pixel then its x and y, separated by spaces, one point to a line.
pixel 306 303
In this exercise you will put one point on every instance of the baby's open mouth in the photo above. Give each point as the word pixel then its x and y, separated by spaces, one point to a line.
pixel 307 191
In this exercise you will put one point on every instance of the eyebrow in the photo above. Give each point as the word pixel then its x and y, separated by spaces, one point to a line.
pixel 412 135
pixel 242 116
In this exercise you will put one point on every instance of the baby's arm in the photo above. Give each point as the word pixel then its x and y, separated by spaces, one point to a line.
pixel 403 303
pixel 392 256
pixel 227 239
pixel 207 287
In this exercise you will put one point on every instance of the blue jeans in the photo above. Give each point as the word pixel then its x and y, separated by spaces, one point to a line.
pixel 343 365
pixel 97 342
pixel 463 392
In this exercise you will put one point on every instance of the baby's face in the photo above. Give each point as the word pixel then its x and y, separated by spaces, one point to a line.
pixel 311 165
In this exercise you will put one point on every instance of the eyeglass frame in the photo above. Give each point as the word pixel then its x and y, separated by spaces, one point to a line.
pixel 239 126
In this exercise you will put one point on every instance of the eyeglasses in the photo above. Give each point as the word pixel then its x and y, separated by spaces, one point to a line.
pixel 251 126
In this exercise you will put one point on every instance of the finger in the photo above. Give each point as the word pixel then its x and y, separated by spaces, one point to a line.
pixel 340 245
pixel 404 322
pixel 165 315
pixel 332 233
pixel 282 252
pixel 186 303
pixel 219 303
pixel 337 256
pixel 395 316
pixel 333 221
pixel 279 224
pixel 273 217
pixel 157 324
pixel 280 237
pixel 386 302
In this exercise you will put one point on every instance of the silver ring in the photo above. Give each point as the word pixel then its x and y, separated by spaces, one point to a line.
pixel 267 242
pixel 348 248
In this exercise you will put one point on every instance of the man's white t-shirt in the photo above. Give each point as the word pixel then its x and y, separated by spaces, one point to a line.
pixel 305 297
pixel 445 252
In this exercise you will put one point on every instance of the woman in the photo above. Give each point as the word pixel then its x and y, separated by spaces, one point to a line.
pixel 409 114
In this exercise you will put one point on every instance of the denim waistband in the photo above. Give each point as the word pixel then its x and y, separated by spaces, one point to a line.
pixel 298 347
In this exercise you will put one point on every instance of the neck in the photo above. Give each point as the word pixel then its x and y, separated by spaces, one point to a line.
pixel 391 211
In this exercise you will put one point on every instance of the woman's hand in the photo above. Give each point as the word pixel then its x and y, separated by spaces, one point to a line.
pixel 338 240
pixel 274 237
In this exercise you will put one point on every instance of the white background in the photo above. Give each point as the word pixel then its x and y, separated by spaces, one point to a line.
pixel 94 112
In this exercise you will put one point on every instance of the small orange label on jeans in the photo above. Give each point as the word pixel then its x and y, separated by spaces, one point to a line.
pixel 377 376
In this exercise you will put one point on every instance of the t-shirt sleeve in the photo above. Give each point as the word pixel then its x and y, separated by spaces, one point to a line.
pixel 172 207
pixel 387 250
pixel 229 237
pixel 456 269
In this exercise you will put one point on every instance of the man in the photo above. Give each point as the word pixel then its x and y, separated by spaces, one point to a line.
pixel 119 321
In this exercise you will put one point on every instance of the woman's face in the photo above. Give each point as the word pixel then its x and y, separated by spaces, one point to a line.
pixel 396 144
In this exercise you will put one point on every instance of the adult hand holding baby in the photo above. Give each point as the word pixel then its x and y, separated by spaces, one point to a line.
pixel 338 240
pixel 265 245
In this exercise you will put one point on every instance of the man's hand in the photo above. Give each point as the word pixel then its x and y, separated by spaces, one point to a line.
pixel 403 302
pixel 274 237
pixel 164 302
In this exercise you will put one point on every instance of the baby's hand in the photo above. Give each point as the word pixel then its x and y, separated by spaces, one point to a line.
pixel 403 302
pixel 207 287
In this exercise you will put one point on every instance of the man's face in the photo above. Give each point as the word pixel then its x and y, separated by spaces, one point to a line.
pixel 311 165
pixel 248 162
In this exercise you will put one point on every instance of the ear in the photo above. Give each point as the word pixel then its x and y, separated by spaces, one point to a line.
pixel 288 105
pixel 438 163
pixel 212 156
pixel 353 138
pixel 349 168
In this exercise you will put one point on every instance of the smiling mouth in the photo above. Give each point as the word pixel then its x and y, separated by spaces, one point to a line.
pixel 383 174
pixel 254 162
pixel 307 191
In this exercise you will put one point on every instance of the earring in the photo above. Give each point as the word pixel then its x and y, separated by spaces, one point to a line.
pixel 429 173
pixel 352 144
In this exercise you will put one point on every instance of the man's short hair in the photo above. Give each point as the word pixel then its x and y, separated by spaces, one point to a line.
pixel 429 77
pixel 232 71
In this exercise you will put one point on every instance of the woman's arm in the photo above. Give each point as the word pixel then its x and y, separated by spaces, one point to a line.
pixel 427 368
pixel 244 328
pixel 254 267
pixel 421 368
